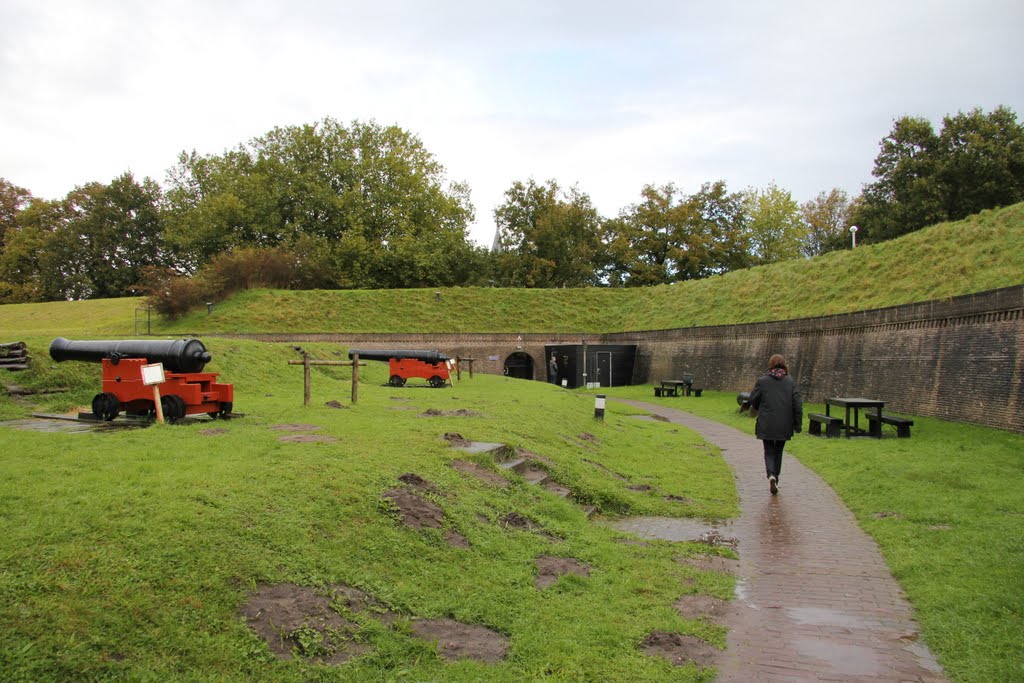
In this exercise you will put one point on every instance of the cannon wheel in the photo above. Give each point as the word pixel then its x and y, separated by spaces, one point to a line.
pixel 396 381
pixel 225 410
pixel 105 406
pixel 173 407
pixel 436 382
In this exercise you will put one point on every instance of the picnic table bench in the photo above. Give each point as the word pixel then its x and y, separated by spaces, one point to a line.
pixel 901 424
pixel 832 425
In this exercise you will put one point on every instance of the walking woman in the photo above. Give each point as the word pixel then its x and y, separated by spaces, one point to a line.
pixel 780 412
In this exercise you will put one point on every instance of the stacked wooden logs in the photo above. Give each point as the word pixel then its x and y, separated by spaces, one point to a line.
pixel 14 356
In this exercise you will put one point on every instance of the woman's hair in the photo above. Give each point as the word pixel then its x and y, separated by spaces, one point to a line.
pixel 777 361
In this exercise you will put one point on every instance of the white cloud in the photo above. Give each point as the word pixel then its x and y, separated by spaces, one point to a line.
pixel 609 97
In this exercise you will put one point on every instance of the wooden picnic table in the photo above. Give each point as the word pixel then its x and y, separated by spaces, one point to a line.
pixel 855 404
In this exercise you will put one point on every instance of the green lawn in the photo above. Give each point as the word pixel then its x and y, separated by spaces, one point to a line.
pixel 128 555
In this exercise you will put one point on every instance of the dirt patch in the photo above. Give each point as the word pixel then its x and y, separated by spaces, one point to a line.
pixel 514 520
pixel 359 602
pixel 639 487
pixel 679 650
pixel 587 437
pixel 306 438
pixel 335 404
pixel 886 514
pixel 672 498
pixel 213 431
pixel 712 563
pixel 295 428
pixel 415 511
pixel 296 621
pixel 419 483
pixel 457 440
pixel 701 606
pixel 550 568
pixel 481 473
pixel 456 640
pixel 455 539
pixel 461 412
pixel 939 527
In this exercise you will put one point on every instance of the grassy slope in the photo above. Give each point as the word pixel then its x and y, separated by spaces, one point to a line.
pixel 980 253
pixel 128 554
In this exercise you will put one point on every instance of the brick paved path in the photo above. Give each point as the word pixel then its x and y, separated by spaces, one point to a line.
pixel 815 601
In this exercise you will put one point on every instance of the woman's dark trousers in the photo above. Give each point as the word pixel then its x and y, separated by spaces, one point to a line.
pixel 773 457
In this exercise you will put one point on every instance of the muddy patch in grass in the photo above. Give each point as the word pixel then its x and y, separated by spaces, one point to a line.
pixel 417 482
pixel 456 640
pixel 456 440
pixel 678 649
pixel 297 621
pixel 415 511
pixel 335 404
pixel 640 487
pixel 481 473
pixel 701 606
pixel 306 438
pixel 514 520
pixel 549 569
pixel 461 412
pixel 212 431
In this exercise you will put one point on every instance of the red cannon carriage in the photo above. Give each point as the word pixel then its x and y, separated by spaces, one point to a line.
pixel 186 390
pixel 432 366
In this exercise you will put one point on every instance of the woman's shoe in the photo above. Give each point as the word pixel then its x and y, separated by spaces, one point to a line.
pixel 773 485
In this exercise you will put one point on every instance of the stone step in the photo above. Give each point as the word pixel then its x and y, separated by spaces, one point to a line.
pixel 517 465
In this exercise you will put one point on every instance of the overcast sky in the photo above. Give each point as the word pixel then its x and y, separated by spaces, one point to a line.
pixel 606 96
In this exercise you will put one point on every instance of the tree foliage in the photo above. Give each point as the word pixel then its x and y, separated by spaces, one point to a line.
pixel 549 237
pixel 669 236
pixel 827 218
pixel 975 162
pixel 775 227
pixel 371 199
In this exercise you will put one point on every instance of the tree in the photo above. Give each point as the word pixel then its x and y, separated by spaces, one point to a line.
pixel 355 191
pixel 774 225
pixel 982 161
pixel 976 162
pixel 827 218
pixel 12 200
pixel 549 237
pixel 670 236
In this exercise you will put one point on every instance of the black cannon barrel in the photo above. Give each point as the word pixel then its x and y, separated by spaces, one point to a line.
pixel 179 355
pixel 388 354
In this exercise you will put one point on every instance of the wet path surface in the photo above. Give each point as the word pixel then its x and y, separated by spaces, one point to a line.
pixel 815 601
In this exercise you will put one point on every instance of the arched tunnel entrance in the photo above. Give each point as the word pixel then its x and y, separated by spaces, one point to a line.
pixel 519 365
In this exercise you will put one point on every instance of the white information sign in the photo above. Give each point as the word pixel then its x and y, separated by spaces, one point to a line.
pixel 153 374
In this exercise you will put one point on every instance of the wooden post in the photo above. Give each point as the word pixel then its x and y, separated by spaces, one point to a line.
pixel 159 406
pixel 355 378
pixel 458 368
pixel 306 363
pixel 305 378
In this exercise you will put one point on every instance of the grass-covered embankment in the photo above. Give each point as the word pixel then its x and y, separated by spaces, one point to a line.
pixel 946 509
pixel 976 254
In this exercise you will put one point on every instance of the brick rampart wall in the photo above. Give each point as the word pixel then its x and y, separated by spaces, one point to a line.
pixel 959 359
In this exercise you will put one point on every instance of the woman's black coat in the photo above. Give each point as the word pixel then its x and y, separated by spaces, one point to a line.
pixel 780 410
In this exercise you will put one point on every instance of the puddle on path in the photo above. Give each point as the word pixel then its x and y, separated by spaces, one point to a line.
pixel 679 529
pixel 819 616
pixel 849 660
pixel 68 426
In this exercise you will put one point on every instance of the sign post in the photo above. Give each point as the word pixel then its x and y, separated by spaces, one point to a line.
pixel 153 374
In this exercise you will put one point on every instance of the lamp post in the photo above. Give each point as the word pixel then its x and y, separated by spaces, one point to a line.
pixel 853 235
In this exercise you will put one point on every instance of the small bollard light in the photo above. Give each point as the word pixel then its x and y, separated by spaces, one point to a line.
pixel 599 407
pixel 565 384
pixel 209 307
pixel 437 296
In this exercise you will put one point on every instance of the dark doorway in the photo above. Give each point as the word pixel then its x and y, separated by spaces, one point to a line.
pixel 519 365
pixel 604 368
